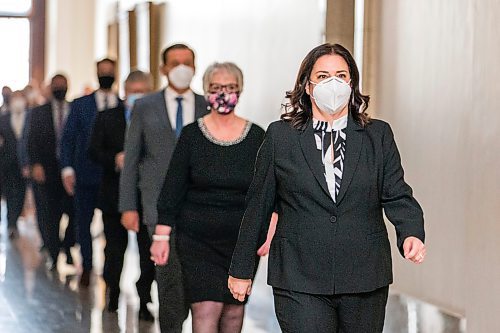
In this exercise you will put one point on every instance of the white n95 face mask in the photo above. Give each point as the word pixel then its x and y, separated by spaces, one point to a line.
pixel 331 95
pixel 180 76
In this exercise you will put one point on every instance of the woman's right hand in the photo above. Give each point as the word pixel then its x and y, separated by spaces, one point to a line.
pixel 264 249
pixel 159 252
pixel 240 288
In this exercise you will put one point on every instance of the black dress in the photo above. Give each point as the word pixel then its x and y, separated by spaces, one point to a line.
pixel 203 197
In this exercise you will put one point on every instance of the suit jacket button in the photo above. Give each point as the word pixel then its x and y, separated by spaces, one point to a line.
pixel 333 219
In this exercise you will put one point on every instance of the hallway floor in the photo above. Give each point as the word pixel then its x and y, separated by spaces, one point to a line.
pixel 35 300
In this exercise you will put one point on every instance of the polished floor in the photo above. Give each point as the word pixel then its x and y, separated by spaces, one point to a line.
pixel 35 300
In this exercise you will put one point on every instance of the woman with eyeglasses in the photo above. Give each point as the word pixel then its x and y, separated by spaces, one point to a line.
pixel 330 172
pixel 203 199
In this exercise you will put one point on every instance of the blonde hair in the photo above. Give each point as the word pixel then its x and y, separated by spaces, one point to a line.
pixel 229 67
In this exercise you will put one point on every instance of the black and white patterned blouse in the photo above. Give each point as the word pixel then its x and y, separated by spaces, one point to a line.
pixel 333 159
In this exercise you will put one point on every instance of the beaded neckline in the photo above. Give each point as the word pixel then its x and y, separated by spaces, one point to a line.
pixel 211 138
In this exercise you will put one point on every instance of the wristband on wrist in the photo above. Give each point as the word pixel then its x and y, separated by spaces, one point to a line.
pixel 161 238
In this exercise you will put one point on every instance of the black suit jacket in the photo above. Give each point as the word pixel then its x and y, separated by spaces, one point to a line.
pixel 42 143
pixel 322 247
pixel 10 163
pixel 107 140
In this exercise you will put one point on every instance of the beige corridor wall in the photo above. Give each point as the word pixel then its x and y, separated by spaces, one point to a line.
pixel 263 37
pixel 70 43
pixel 438 86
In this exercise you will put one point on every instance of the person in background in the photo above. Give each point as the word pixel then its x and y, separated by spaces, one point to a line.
pixel 33 94
pixel 156 123
pixel 6 94
pixel 13 165
pixel 106 149
pixel 44 147
pixel 80 175
pixel 331 172
pixel 203 199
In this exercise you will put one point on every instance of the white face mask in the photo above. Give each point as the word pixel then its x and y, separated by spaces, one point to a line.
pixel 181 76
pixel 17 105
pixel 331 95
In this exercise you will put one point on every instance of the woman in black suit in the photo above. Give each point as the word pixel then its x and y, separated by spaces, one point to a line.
pixel 330 172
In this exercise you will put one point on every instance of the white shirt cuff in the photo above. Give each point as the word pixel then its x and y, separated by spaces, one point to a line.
pixel 67 171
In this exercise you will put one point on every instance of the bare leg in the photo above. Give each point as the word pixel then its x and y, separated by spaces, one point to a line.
pixel 232 318
pixel 206 316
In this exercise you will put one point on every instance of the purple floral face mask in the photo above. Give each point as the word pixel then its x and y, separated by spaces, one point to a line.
pixel 223 103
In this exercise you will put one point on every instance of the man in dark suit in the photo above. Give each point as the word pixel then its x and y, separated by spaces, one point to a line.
pixel 44 141
pixel 13 167
pixel 157 120
pixel 81 176
pixel 106 149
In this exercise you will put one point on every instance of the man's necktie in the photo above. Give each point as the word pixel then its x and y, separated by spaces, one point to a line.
pixel 179 122
pixel 106 102
pixel 59 127
pixel 60 119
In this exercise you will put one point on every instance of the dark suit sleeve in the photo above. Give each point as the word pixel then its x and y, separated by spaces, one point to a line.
pixel 33 141
pixel 97 147
pixel 24 159
pixel 3 144
pixel 176 182
pixel 400 207
pixel 133 148
pixel 69 136
pixel 260 203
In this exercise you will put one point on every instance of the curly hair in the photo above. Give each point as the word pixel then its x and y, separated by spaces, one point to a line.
pixel 298 111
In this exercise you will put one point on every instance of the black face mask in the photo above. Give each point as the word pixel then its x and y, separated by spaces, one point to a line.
pixel 106 81
pixel 59 94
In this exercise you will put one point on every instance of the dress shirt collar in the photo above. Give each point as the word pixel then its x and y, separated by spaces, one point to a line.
pixel 171 95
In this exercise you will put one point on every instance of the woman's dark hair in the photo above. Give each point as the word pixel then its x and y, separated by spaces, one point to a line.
pixel 298 111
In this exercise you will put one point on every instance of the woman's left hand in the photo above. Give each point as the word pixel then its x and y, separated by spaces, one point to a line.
pixel 239 288
pixel 414 250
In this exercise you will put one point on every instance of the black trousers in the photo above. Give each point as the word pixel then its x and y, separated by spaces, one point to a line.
pixel 14 190
pixel 347 313
pixel 85 202
pixel 173 309
pixel 114 251
pixel 52 201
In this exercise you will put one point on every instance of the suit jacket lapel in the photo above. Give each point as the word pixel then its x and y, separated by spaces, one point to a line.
pixel 10 131
pixel 354 142
pixel 121 122
pixel 50 121
pixel 200 107
pixel 93 104
pixel 313 156
pixel 161 104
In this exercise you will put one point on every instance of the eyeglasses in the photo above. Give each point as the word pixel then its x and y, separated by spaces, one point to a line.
pixel 217 88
